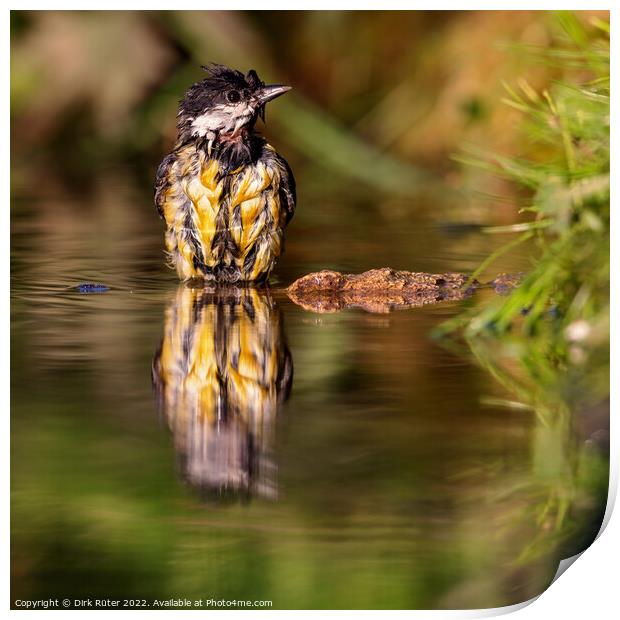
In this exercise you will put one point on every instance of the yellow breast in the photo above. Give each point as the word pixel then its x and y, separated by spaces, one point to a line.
pixel 203 204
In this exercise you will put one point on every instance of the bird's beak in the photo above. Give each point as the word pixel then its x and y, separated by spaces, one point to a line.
pixel 271 91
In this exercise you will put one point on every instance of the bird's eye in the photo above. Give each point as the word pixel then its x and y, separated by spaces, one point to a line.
pixel 233 96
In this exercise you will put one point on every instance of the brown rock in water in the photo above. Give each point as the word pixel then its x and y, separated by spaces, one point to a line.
pixel 505 282
pixel 377 290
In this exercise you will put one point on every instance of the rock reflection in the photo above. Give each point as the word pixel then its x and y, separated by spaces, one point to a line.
pixel 220 375
pixel 378 290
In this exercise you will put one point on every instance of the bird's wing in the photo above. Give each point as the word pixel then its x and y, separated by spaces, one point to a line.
pixel 287 190
pixel 162 182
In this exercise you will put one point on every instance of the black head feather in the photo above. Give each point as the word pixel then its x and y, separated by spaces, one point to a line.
pixel 222 76
pixel 215 88
pixel 221 111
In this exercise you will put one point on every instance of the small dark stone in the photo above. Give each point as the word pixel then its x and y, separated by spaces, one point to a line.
pixel 92 287
pixel 505 283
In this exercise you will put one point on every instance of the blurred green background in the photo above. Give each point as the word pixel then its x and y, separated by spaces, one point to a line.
pixel 382 99
pixel 410 474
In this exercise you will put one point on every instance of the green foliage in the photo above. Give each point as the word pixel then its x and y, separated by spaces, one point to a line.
pixel 567 171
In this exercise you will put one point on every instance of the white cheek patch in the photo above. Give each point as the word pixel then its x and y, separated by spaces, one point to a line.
pixel 215 120
pixel 225 118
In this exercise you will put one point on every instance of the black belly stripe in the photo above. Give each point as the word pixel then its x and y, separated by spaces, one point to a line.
pixel 219 243
pixel 237 222
pixel 250 259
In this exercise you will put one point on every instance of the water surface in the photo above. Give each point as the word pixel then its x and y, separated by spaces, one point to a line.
pixel 174 442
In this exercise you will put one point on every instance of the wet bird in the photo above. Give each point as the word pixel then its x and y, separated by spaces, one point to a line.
pixel 225 194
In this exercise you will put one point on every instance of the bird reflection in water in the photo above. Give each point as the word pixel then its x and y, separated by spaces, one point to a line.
pixel 221 373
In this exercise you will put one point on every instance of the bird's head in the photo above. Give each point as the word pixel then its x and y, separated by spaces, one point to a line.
pixel 225 103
